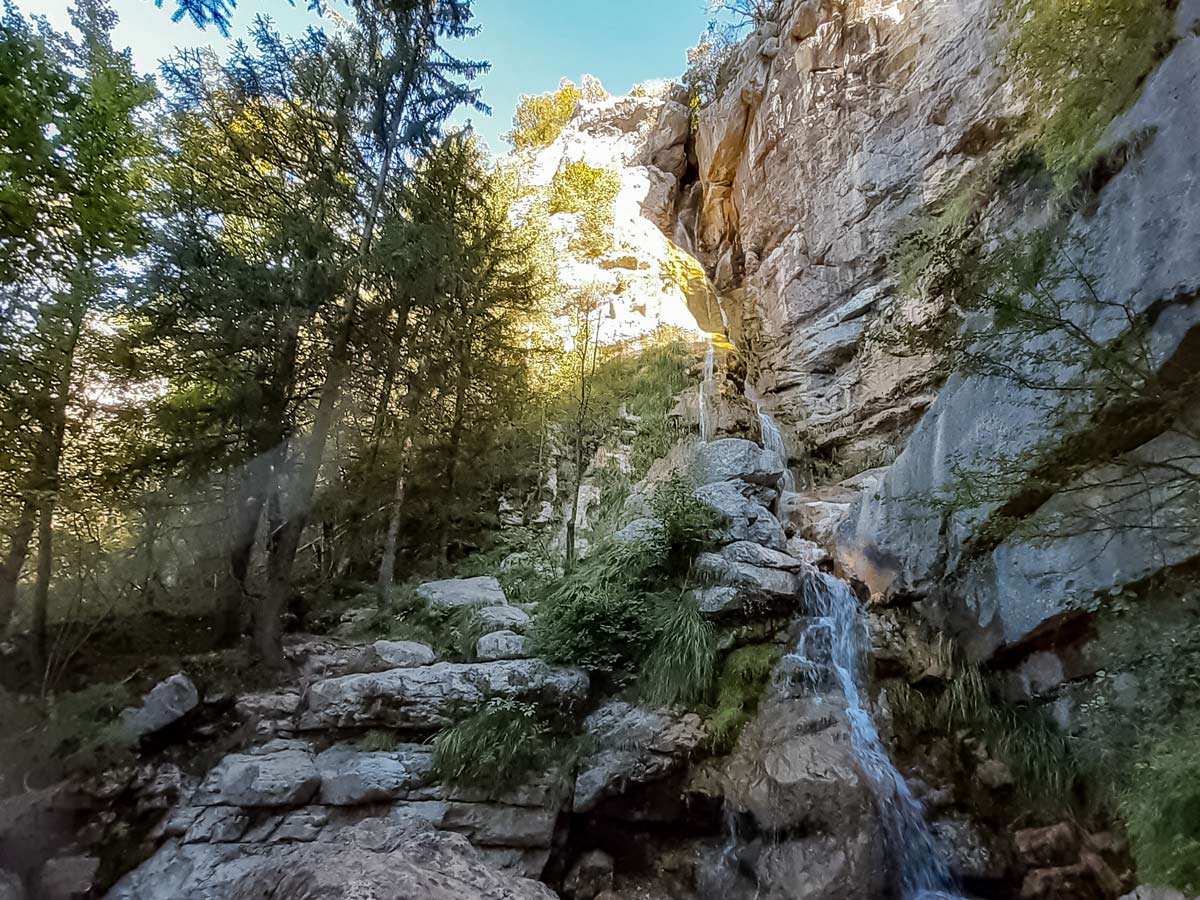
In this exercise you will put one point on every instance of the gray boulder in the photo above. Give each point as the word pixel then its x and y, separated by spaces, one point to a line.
pixel 350 776
pixel 503 645
pixel 735 459
pixel 503 618
pixel 640 531
pixel 432 697
pixel 456 593
pixel 745 520
pixel 403 654
pixel 11 887
pixel 405 861
pixel 67 878
pixel 634 746
pixel 590 876
pixel 282 773
pixel 751 580
pixel 167 702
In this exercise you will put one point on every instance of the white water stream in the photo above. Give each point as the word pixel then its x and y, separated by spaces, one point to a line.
pixel 832 643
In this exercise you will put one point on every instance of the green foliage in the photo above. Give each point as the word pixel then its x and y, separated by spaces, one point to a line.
pixel 1020 735
pixel 540 118
pixel 743 679
pixel 377 741
pixel 1081 62
pixel 688 523
pixel 497 747
pixel 682 663
pixel 600 616
pixel 86 721
pixel 591 191
pixel 1162 810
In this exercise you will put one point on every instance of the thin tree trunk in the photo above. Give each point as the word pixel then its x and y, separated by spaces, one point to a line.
pixel 456 433
pixel 387 565
pixel 14 561
pixel 268 631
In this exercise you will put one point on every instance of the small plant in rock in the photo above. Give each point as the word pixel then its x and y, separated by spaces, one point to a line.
pixel 688 523
pixel 497 747
pixel 681 666
pixel 1162 809
pixel 378 741
pixel 743 679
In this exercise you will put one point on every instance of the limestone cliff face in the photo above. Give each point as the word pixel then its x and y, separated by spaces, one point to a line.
pixel 842 120
pixel 647 281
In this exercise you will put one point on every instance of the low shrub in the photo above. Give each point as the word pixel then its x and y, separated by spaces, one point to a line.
pixel 540 118
pixel 87 721
pixel 377 741
pixel 1162 810
pixel 498 746
pixel 682 664
pixel 688 522
pixel 739 688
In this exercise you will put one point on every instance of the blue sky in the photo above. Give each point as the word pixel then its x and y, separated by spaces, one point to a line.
pixel 530 43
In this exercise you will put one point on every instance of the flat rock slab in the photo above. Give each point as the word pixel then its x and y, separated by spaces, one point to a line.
pixel 736 459
pixel 403 654
pixel 503 618
pixel 408 863
pixel 350 776
pixel 432 697
pixel 503 645
pixel 283 775
pixel 456 593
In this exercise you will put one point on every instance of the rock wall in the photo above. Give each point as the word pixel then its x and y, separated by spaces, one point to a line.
pixel 843 118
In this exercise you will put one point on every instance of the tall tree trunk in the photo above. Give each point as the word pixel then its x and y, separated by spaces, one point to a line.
pixel 456 434
pixel 268 630
pixel 387 564
pixel 14 561
pixel 55 430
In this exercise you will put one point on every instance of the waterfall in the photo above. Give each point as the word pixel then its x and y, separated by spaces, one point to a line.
pixel 687 219
pixel 773 440
pixel 707 390
pixel 835 631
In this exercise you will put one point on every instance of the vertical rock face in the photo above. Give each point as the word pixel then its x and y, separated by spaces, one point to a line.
pixel 842 119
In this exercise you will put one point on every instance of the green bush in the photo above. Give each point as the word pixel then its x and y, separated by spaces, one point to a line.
pixel 740 686
pixel 1162 809
pixel 682 663
pixel 1080 63
pixel 377 741
pixel 688 523
pixel 540 118
pixel 600 616
pixel 497 747
pixel 579 187
pixel 87 721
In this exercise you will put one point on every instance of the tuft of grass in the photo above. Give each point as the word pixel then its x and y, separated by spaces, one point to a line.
pixel 688 523
pixel 681 666
pixel 1080 63
pixel 1162 809
pixel 498 746
pixel 1020 735
pixel 740 685
pixel 377 741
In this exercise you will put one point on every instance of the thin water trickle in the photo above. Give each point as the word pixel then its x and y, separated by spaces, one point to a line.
pixel 773 440
pixel 835 628
pixel 707 390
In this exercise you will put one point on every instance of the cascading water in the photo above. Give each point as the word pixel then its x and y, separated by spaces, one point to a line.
pixel 833 640
pixel 773 440
pixel 707 390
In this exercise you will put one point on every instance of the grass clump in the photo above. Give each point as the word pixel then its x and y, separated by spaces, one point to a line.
pixel 1018 734
pixel 591 191
pixel 1080 64
pixel 498 746
pixel 377 741
pixel 743 678
pixel 682 664
pixel 1162 811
